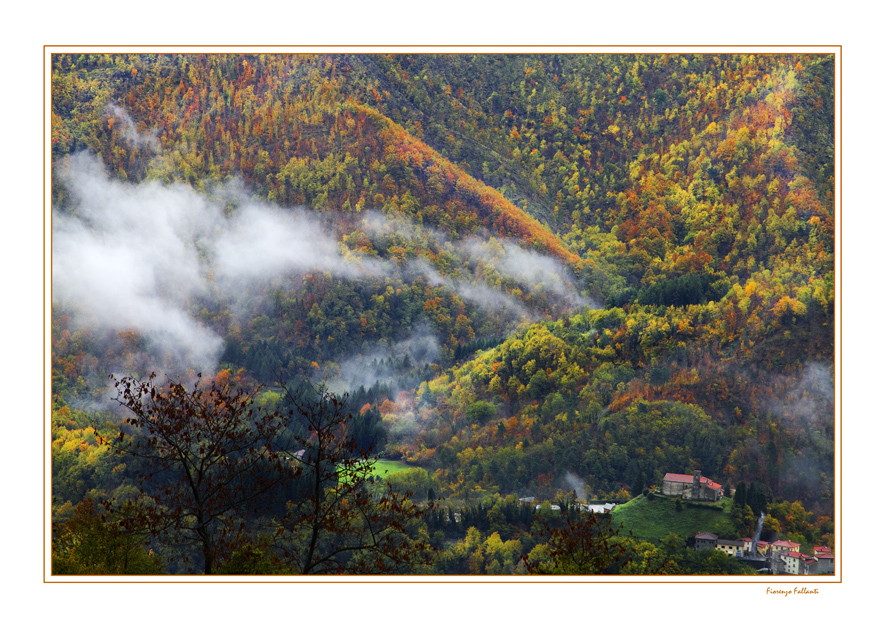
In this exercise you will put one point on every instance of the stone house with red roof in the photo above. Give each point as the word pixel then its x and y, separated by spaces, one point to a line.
pixel 824 563
pixel 794 562
pixel 784 546
pixel 705 540
pixel 691 487
pixel 825 559
pixel 787 559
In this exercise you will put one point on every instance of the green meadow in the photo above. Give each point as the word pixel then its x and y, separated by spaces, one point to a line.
pixel 384 467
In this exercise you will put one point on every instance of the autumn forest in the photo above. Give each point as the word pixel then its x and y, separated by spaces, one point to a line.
pixel 347 314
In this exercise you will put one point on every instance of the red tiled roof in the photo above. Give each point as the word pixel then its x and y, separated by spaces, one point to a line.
pixel 706 535
pixel 783 542
pixel 688 478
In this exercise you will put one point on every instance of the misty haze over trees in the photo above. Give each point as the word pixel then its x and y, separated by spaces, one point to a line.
pixel 354 307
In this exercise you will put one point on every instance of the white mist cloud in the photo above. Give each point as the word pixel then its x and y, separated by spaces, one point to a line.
pixel 379 225
pixel 262 242
pixel 150 256
pixel 536 269
pixel 142 256
pixel 473 292
pixel 371 365
pixel 577 485
pixel 529 269
pixel 126 260
pixel 130 131
pixel 806 399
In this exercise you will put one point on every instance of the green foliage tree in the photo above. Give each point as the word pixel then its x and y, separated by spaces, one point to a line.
pixel 757 498
pixel 368 431
pixel 639 484
pixel 91 543
pixel 583 545
pixel 743 519
pixel 480 412
pixel 708 561
pixel 414 482
pixel 342 521
pixel 740 497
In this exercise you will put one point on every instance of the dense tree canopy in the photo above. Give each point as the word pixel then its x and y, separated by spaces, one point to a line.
pixel 532 274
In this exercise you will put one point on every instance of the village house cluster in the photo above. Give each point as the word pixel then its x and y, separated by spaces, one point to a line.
pixel 782 556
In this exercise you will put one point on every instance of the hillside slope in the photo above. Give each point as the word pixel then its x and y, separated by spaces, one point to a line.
pixel 655 519
pixel 539 268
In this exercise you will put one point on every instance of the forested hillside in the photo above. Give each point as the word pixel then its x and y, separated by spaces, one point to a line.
pixel 559 276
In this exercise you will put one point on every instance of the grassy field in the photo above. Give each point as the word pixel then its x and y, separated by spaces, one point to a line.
pixel 384 467
pixel 655 519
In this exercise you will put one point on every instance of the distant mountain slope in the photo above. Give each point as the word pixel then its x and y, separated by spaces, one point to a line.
pixel 523 120
pixel 295 134
pixel 597 265
pixel 424 247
